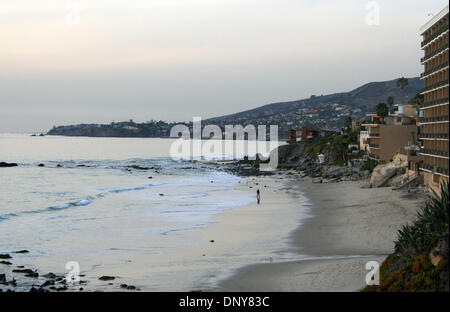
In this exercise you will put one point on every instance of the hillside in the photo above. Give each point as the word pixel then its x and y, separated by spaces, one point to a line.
pixel 322 111
pixel 325 110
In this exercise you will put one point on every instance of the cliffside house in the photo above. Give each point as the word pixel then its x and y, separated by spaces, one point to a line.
pixel 386 138
pixel 305 133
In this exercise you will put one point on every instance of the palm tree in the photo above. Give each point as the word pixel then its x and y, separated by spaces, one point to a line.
pixel 417 100
pixel 390 102
pixel 348 123
pixel 382 110
pixel 402 83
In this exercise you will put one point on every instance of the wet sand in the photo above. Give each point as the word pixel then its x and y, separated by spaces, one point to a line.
pixel 241 236
pixel 349 227
pixel 302 237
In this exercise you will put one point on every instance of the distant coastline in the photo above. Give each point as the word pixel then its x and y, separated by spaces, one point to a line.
pixel 151 129
pixel 324 111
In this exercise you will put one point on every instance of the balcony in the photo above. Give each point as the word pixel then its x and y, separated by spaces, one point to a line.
pixel 434 119
pixel 376 135
pixel 434 69
pixel 434 152
pixel 434 169
pixel 434 136
pixel 432 54
pixel 372 145
pixel 409 152
pixel 436 102
pixel 435 85
pixel 436 34
pixel 374 156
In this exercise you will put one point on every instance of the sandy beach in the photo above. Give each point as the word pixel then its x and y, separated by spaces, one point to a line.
pixel 241 236
pixel 301 237
pixel 238 236
pixel 348 227
pixel 246 234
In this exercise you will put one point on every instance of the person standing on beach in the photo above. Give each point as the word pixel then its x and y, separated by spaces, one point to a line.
pixel 258 197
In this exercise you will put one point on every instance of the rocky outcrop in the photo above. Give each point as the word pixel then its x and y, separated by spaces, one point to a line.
pixel 5 164
pixel 106 278
pixel 292 156
pixel 398 180
pixel 382 174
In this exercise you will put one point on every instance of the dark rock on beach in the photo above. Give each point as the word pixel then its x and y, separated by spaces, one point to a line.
pixel 5 256
pixel 5 165
pixel 107 278
pixel 25 271
pixel 34 275
pixel 21 251
pixel 48 283
pixel 136 167
pixel 5 262
pixel 50 275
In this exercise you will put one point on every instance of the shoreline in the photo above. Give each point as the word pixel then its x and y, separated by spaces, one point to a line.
pixel 240 236
pixel 303 237
pixel 349 226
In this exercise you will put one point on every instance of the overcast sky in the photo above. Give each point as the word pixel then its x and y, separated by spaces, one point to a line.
pixel 64 62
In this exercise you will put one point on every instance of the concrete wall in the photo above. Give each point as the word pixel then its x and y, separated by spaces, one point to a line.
pixel 393 138
pixel 432 185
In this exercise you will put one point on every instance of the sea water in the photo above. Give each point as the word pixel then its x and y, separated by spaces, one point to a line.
pixel 104 201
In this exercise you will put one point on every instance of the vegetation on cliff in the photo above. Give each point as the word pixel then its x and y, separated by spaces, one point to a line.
pixel 420 260
pixel 333 147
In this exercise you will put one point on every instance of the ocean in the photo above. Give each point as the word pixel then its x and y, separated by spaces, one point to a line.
pixel 105 203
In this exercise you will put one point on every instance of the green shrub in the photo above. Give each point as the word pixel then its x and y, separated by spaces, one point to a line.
pixel 369 164
pixel 284 166
pixel 339 162
pixel 432 220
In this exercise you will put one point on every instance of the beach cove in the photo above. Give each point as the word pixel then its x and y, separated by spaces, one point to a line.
pixel 349 226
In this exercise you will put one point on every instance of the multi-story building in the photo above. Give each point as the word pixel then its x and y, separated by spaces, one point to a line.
pixel 434 111
pixel 388 135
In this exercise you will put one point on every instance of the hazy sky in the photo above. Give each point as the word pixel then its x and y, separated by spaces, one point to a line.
pixel 65 62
